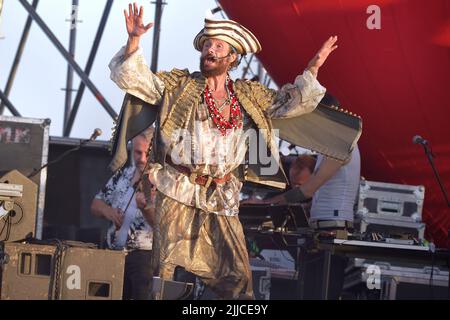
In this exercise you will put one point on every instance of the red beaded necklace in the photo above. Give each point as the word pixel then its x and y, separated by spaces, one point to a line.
pixel 235 111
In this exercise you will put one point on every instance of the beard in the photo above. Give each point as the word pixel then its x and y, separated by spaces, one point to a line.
pixel 140 166
pixel 219 66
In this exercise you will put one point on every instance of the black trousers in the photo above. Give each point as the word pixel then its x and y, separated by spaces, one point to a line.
pixel 138 275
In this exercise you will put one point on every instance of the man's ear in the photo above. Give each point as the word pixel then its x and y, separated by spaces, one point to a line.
pixel 233 56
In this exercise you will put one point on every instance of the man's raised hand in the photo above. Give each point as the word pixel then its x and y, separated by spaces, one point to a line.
pixel 322 55
pixel 133 20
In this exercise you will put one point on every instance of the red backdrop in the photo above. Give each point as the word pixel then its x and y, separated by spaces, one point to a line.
pixel 397 78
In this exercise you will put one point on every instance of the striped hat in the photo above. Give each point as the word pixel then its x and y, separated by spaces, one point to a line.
pixel 231 32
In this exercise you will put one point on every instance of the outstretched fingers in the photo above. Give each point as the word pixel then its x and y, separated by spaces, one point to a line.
pixel 331 41
pixel 329 45
pixel 149 26
pixel 134 20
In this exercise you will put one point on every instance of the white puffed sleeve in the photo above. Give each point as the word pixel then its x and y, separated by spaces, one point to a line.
pixel 299 98
pixel 135 77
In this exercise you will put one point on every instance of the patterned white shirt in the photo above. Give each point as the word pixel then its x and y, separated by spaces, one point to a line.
pixel 135 232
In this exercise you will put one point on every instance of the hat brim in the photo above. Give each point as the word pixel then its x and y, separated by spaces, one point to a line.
pixel 231 32
pixel 201 38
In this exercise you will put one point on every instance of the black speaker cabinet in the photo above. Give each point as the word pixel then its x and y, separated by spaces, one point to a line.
pixel 63 272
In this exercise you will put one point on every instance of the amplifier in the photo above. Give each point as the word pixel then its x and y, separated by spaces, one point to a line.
pixel 62 271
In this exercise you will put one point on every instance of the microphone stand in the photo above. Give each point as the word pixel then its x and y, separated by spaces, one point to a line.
pixel 436 174
pixel 429 155
pixel 62 156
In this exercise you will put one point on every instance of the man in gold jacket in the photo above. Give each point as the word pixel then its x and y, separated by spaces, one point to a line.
pixel 200 154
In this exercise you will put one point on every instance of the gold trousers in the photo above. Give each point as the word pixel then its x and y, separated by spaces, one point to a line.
pixel 210 246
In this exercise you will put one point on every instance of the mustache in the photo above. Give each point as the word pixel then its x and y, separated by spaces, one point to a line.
pixel 209 57
pixel 215 58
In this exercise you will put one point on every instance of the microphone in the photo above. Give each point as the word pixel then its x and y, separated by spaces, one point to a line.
pixel 419 140
pixel 97 132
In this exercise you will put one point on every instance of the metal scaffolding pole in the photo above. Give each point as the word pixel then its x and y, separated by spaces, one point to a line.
pixel 88 68
pixel 72 45
pixel 247 66
pixel 68 57
pixel 4 99
pixel 18 56
pixel 156 34
pixel 260 72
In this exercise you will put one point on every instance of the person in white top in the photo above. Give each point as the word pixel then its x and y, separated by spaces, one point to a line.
pixel 335 200
pixel 333 188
